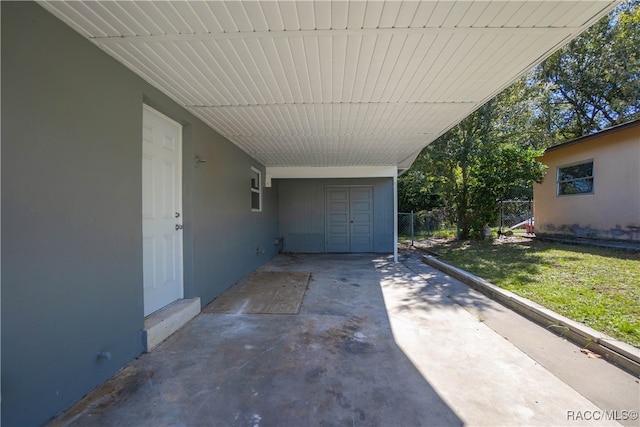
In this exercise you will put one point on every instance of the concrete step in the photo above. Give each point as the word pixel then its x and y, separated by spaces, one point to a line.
pixel 163 323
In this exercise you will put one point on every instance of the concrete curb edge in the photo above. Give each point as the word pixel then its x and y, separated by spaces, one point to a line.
pixel 615 351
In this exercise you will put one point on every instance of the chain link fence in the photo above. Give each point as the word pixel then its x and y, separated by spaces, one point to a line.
pixel 423 224
pixel 516 214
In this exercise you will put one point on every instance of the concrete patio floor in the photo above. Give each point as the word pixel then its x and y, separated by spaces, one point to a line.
pixel 375 344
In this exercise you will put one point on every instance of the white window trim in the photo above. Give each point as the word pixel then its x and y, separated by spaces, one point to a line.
pixel 257 190
pixel 581 162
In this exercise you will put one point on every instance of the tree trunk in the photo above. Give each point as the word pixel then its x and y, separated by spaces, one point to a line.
pixel 463 207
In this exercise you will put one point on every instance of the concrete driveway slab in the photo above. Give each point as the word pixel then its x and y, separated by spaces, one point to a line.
pixel 373 345
pixel 484 378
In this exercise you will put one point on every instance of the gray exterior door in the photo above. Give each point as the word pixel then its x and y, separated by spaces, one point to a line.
pixel 361 226
pixel 349 219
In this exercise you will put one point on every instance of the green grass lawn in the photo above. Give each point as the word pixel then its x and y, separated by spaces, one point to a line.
pixel 596 286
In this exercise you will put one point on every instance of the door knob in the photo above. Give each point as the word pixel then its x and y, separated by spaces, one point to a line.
pixel 179 226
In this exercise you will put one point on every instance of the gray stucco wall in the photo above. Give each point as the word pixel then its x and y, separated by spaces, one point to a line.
pixel 71 213
pixel 302 212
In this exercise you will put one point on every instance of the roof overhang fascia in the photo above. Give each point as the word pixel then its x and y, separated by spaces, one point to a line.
pixel 608 131
pixel 296 172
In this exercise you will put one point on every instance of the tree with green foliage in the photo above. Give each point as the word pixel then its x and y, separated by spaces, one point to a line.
pixel 418 188
pixel 594 82
pixel 479 166
pixel 457 154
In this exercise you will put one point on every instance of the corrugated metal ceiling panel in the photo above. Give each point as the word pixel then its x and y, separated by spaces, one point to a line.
pixel 327 83
pixel 340 119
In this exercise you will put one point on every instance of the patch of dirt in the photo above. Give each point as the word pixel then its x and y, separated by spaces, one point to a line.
pixel 343 338
pixel 119 388
pixel 432 246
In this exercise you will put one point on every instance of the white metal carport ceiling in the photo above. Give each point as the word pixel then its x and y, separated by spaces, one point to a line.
pixel 330 83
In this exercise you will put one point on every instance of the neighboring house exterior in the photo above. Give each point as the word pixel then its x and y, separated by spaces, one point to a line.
pixel 119 198
pixel 592 187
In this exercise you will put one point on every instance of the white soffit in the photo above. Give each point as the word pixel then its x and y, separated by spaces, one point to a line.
pixel 330 83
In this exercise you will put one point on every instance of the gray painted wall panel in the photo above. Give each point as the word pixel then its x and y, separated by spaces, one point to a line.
pixel 71 213
pixel 302 212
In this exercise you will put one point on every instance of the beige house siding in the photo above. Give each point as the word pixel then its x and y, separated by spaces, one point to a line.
pixel 612 210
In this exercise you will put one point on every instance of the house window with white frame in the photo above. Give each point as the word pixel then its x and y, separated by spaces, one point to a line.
pixel 576 178
pixel 256 190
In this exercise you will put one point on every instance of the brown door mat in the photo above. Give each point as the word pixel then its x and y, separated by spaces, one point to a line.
pixel 263 292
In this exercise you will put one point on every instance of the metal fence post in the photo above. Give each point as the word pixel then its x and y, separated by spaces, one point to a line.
pixel 411 228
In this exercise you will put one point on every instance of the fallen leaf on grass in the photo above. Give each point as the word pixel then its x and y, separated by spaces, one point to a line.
pixel 590 354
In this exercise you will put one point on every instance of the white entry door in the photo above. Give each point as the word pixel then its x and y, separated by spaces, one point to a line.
pixel 161 210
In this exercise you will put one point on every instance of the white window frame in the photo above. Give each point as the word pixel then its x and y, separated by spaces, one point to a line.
pixel 255 172
pixel 591 177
